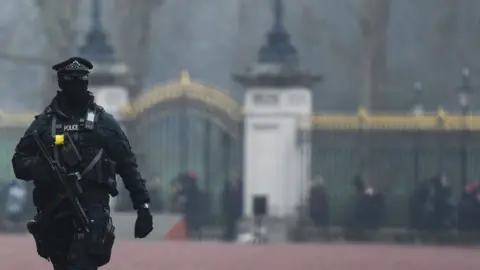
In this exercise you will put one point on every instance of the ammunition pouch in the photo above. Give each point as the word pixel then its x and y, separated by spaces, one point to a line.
pixel 102 171
pixel 107 167
pixel 35 229
pixel 101 240
pixel 69 153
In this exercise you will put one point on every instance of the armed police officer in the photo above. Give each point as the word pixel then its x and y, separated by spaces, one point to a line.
pixel 72 152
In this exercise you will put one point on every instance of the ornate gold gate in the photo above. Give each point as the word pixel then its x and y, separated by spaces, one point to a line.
pixel 393 153
pixel 186 125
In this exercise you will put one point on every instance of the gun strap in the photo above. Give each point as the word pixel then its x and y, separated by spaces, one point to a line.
pixel 56 154
pixel 54 133
pixel 50 207
pixel 92 163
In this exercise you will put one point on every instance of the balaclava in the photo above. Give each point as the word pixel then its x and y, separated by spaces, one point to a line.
pixel 74 88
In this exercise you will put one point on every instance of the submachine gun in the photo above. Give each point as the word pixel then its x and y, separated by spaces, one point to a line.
pixel 69 182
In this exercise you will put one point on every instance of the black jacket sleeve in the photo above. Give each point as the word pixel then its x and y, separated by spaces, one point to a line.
pixel 26 151
pixel 118 148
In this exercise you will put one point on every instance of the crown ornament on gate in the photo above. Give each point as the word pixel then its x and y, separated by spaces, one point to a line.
pixel 185 79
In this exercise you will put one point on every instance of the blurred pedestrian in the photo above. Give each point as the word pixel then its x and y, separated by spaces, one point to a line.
pixel 419 207
pixel 318 203
pixel 368 209
pixel 232 202
pixel 469 209
pixel 190 197
pixel 442 215
pixel 155 189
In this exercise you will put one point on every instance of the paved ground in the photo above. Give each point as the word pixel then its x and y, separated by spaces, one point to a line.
pixel 17 253
pixel 124 225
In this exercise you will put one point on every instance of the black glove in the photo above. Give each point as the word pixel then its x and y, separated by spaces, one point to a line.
pixel 144 223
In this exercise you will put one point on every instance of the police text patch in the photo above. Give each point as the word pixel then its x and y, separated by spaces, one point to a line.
pixel 71 127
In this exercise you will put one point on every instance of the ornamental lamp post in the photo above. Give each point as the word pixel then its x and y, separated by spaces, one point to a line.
pixel 418 111
pixel 464 94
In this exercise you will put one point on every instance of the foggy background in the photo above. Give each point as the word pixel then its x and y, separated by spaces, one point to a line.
pixel 370 51
pixel 370 54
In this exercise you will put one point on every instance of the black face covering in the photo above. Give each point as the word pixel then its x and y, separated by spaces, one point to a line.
pixel 74 89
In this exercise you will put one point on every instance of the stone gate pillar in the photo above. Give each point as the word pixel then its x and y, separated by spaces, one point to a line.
pixel 277 101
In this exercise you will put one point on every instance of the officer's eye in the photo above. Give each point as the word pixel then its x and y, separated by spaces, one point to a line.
pixel 69 78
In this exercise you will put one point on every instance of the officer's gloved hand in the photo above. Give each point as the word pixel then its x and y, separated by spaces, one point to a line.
pixel 144 223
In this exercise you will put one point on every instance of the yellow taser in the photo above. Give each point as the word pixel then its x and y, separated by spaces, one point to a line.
pixel 59 139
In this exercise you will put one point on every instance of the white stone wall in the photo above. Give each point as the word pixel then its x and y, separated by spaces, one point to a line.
pixel 272 159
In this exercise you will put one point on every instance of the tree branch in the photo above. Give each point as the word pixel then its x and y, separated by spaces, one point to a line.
pixel 59 18
pixel 134 35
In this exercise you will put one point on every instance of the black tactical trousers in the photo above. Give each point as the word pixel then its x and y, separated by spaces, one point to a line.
pixel 77 258
pixel 70 249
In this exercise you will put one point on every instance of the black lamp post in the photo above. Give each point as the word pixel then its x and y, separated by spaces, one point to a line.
pixel 418 111
pixel 464 93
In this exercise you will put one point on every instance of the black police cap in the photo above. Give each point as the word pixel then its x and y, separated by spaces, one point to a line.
pixel 74 65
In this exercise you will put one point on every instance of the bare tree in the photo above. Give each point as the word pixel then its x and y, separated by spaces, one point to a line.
pixel 59 21
pixel 133 23
pixel 374 18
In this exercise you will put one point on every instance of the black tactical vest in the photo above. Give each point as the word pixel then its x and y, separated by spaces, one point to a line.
pixel 96 168
pixel 84 136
